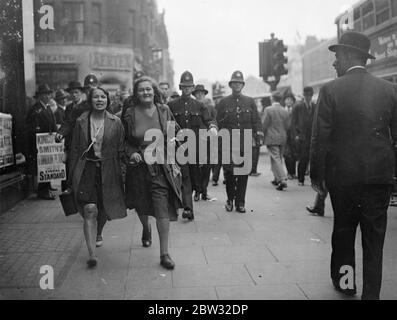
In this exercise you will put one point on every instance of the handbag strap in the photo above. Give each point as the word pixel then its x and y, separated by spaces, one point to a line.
pixel 93 141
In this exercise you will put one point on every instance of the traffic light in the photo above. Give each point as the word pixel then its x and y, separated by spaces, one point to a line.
pixel 265 59
pixel 278 58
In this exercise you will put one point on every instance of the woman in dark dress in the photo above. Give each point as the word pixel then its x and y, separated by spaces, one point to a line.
pixel 95 167
pixel 152 189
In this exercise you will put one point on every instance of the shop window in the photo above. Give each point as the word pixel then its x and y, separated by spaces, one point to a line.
pixel 73 21
pixel 57 76
pixel 382 11
pixel 357 19
pixel 96 22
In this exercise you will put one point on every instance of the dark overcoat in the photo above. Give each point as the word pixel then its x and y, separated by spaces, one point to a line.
pixel 112 153
pixel 40 119
pixel 355 126
pixel 136 179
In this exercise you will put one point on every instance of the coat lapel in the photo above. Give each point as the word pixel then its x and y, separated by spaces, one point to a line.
pixel 107 130
pixel 84 129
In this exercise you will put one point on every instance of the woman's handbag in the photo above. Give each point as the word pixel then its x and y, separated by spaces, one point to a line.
pixel 68 202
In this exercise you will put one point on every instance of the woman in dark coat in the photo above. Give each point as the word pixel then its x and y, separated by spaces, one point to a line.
pixel 151 189
pixel 95 166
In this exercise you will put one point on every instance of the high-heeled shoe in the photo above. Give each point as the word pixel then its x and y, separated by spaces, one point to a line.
pixel 92 262
pixel 147 237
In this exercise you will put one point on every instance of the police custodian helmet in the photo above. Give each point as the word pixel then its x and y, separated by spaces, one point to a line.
pixel 186 79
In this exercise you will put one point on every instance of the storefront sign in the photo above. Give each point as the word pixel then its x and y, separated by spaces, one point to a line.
pixel 384 46
pixel 56 58
pixel 50 156
pixel 6 148
pixel 106 61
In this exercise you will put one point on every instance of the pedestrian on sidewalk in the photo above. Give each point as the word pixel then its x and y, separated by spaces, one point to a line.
pixel 237 112
pixel 301 129
pixel 275 128
pixel 95 167
pixel 153 189
pixel 60 98
pixel 40 119
pixel 204 170
pixel 352 156
pixel 290 152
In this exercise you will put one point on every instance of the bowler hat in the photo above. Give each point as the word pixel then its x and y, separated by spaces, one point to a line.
pixel 60 94
pixel 289 95
pixel 237 76
pixel 43 89
pixel 91 80
pixel 308 90
pixel 354 41
pixel 186 79
pixel 74 85
pixel 199 88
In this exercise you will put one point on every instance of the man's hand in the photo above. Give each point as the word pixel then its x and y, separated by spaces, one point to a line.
pixel 135 158
pixel 58 137
pixel 213 132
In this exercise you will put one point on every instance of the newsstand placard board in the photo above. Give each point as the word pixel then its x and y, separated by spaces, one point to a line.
pixel 50 155
pixel 6 148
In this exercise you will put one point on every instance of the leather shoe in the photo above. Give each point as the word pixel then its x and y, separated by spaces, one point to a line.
pixel 147 237
pixel 281 186
pixel 214 183
pixel 274 182
pixel 255 174
pixel 206 197
pixel 187 214
pixel 315 211
pixel 166 262
pixel 348 292
pixel 229 206
pixel 99 241
pixel 240 209
pixel 92 262
pixel 196 196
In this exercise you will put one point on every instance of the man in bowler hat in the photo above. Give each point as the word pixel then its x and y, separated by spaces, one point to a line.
pixel 40 119
pixel 190 114
pixel 354 134
pixel 237 112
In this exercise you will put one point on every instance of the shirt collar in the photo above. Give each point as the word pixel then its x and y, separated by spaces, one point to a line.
pixel 355 67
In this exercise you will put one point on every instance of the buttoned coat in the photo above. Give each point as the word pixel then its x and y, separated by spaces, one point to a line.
pixel 275 125
pixel 355 126
pixel 112 154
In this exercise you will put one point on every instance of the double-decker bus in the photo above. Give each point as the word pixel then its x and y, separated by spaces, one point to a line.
pixel 378 20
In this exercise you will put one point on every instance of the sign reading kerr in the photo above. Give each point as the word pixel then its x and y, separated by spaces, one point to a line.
pixel 107 61
pixel 50 157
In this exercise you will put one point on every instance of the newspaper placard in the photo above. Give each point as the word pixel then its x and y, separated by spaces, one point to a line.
pixel 50 156
pixel 6 148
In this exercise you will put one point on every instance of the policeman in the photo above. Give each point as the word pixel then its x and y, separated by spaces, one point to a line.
pixel 237 112
pixel 90 81
pixel 190 114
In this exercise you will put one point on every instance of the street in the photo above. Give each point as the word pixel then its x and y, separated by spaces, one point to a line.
pixel 274 251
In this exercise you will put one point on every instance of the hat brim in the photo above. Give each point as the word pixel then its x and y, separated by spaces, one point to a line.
pixel 42 92
pixel 336 47
pixel 195 91
pixel 73 88
pixel 186 84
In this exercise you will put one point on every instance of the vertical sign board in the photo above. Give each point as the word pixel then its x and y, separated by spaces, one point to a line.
pixel 6 147
pixel 50 155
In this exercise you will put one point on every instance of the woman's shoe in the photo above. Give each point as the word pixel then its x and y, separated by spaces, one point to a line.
pixel 166 262
pixel 99 241
pixel 147 237
pixel 92 262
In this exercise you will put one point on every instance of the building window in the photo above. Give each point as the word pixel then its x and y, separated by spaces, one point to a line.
pixel 382 11
pixel 132 27
pixel 368 15
pixel 394 8
pixel 357 19
pixel 73 15
pixel 96 22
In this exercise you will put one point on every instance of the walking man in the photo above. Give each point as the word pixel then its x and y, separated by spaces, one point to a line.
pixel 237 112
pixel 275 128
pixel 190 114
pixel 354 133
pixel 301 127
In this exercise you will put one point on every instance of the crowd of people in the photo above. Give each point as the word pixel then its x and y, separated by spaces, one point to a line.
pixel 108 173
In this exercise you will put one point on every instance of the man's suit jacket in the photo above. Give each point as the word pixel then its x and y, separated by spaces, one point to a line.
pixel 302 121
pixel 354 129
pixel 275 125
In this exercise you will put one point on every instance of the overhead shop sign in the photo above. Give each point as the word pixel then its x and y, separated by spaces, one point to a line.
pixel 50 156
pixel 384 46
pixel 6 148
pixel 56 58
pixel 108 61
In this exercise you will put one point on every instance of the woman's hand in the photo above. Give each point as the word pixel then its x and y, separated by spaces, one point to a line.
pixel 135 158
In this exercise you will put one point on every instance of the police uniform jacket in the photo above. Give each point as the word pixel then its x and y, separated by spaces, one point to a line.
pixel 191 114
pixel 355 127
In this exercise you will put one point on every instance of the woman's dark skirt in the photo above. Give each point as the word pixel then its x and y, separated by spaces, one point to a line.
pixel 90 187
pixel 149 193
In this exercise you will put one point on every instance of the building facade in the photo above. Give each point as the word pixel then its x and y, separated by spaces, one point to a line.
pixel 111 39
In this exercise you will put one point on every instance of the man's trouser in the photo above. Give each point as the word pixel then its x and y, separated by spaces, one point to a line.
pixel 276 162
pixel 304 156
pixel 236 186
pixel 364 205
pixel 255 158
pixel 200 177
pixel 187 200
